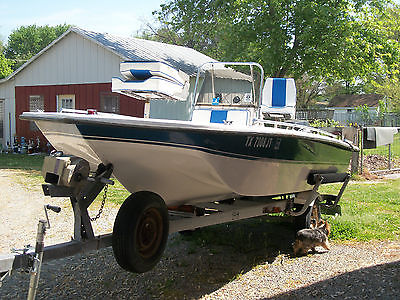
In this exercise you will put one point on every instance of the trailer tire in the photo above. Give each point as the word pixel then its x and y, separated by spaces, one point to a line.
pixel 140 232
pixel 305 220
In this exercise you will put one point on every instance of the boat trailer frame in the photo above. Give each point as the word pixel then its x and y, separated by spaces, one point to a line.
pixel 181 218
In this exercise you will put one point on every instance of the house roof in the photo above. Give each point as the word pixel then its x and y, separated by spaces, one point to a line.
pixel 371 100
pixel 133 49
pixel 185 59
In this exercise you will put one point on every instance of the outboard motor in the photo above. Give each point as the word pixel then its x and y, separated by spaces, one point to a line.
pixel 67 171
pixel 279 99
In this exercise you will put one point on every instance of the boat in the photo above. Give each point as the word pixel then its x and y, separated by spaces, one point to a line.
pixel 222 153
pixel 185 162
pixel 227 151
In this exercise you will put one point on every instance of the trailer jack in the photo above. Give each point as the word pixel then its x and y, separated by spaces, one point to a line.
pixel 82 191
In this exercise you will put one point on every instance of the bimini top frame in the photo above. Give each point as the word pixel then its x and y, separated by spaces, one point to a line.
pixel 250 64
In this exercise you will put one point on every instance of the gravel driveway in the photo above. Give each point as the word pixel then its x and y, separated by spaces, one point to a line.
pixel 194 270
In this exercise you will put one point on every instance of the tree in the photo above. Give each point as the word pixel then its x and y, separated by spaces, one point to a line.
pixel 308 90
pixel 390 88
pixel 5 68
pixel 387 82
pixel 26 41
pixel 191 24
pixel 332 39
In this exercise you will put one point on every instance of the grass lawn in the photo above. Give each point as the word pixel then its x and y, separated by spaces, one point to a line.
pixel 21 161
pixel 369 210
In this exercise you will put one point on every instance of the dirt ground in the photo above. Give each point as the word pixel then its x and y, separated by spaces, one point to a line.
pixel 264 268
pixel 22 205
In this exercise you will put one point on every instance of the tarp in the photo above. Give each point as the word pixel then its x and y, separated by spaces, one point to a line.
pixel 378 136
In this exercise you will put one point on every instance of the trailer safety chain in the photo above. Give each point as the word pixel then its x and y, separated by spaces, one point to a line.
pixel 102 204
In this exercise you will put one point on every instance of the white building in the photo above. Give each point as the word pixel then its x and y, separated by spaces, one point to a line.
pixel 75 71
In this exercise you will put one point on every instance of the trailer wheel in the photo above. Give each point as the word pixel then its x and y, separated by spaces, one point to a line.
pixel 312 215
pixel 140 232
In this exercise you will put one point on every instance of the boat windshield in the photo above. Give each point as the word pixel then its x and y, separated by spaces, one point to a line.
pixel 229 84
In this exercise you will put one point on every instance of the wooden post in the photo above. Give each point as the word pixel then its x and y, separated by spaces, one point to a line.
pixel 355 156
pixel 146 114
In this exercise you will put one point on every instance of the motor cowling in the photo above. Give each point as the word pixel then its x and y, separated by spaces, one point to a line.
pixel 68 171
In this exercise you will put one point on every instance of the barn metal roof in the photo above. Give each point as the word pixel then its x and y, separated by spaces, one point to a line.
pixel 133 49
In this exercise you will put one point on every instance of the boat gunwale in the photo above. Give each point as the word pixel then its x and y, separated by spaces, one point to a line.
pixel 161 124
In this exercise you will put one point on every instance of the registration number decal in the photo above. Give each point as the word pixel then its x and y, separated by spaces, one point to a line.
pixel 263 142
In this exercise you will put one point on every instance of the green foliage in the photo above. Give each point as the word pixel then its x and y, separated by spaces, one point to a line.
pixel 367 51
pixel 325 39
pixel 324 123
pixel 26 41
pixel 363 111
pixel 382 109
pixel 308 89
pixel 5 68
pixel 387 82
pixel 194 24
pixel 390 88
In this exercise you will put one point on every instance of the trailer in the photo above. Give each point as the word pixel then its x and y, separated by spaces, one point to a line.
pixel 144 222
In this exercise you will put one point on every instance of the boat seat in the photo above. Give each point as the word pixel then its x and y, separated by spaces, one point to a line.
pixel 151 80
pixel 279 97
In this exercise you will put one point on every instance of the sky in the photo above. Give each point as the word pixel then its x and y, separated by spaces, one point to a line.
pixel 121 17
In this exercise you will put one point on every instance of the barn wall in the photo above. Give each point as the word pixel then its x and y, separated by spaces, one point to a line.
pixel 86 96
pixel 7 95
pixel 73 60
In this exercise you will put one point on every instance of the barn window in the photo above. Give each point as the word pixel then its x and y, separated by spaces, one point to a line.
pixel 109 103
pixel 65 101
pixel 36 103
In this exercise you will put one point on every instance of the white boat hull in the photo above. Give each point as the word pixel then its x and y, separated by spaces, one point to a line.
pixel 183 174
